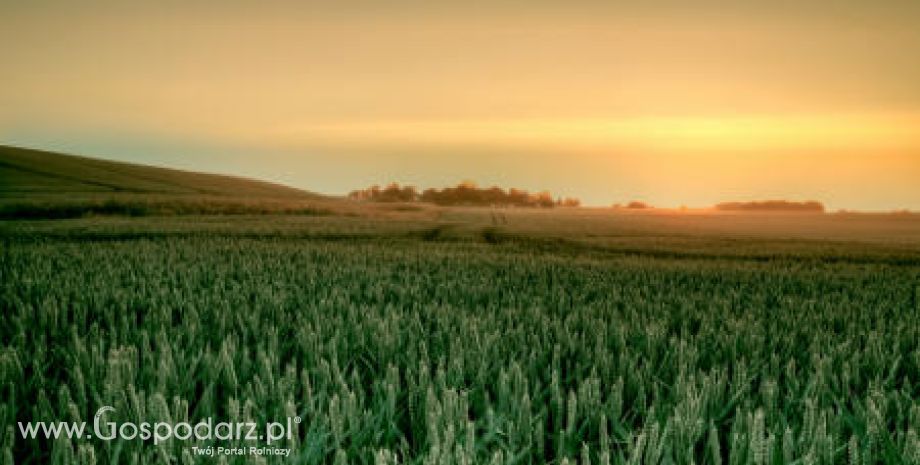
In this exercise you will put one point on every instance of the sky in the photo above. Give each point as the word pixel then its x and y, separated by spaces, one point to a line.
pixel 673 103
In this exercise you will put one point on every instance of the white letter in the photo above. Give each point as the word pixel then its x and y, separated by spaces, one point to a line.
pixel 96 422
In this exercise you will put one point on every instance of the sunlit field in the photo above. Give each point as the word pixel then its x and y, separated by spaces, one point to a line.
pixel 467 336
pixel 457 232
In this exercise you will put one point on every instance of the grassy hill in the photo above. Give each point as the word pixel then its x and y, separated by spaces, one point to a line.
pixel 41 184
pixel 26 171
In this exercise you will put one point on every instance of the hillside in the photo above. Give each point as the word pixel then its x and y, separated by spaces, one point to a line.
pixel 26 171
pixel 41 184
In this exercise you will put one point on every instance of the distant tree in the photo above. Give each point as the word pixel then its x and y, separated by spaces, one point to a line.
pixel 392 193
pixel 773 206
pixel 465 193
pixel 517 197
pixel 544 199
pixel 365 194
pixel 637 205
pixel 568 202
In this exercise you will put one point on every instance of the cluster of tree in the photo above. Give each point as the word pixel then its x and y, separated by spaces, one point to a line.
pixel 391 193
pixel 634 205
pixel 466 193
pixel 773 206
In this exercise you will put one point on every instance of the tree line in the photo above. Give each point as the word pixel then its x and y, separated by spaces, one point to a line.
pixel 466 193
pixel 772 205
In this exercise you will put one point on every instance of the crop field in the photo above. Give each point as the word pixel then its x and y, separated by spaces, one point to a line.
pixel 473 337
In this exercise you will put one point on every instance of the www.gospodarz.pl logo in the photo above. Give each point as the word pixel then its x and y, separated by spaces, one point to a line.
pixel 160 432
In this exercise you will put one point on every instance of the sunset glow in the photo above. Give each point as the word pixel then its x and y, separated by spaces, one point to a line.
pixel 674 104
pixel 735 133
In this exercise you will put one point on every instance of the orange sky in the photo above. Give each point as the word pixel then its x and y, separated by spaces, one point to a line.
pixel 606 101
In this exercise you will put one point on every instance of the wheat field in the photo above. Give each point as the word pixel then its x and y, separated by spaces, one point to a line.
pixel 461 341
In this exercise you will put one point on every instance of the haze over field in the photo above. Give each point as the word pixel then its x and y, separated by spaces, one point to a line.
pixel 460 232
pixel 603 101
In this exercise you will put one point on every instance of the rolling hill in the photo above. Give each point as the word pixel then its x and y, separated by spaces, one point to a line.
pixel 42 184
pixel 26 171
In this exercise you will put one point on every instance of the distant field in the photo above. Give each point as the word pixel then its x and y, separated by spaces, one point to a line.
pixel 464 336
